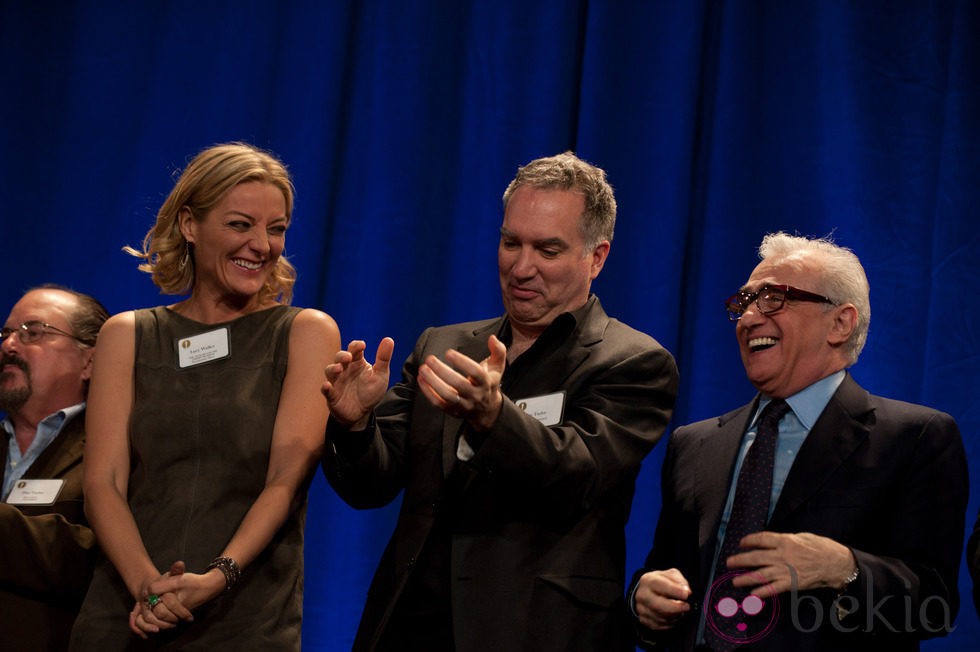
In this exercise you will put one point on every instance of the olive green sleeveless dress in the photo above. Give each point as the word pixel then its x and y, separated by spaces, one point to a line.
pixel 200 439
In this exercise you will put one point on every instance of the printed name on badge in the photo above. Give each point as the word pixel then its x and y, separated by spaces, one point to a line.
pixel 547 408
pixel 205 347
pixel 35 492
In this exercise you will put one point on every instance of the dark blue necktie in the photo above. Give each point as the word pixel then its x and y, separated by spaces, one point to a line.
pixel 750 512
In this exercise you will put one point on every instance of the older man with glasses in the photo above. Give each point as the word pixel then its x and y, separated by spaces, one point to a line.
pixel 46 350
pixel 818 516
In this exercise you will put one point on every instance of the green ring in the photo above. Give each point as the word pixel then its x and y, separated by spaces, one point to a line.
pixel 153 600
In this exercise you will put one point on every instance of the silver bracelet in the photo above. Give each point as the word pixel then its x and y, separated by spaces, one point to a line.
pixel 229 568
pixel 843 612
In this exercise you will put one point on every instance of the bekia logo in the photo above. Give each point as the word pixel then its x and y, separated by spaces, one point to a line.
pixel 737 616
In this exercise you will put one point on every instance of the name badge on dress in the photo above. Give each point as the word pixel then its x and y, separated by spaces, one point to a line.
pixel 35 492
pixel 547 408
pixel 204 347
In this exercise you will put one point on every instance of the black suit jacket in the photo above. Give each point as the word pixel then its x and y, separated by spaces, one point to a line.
pixel 973 562
pixel 887 479
pixel 46 552
pixel 537 527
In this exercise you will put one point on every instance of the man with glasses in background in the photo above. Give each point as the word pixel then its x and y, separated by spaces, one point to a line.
pixel 818 516
pixel 46 350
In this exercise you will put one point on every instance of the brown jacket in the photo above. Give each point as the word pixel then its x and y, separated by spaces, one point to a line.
pixel 46 552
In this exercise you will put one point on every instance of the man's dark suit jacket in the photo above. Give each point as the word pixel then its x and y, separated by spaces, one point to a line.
pixel 973 562
pixel 887 479
pixel 537 540
pixel 46 552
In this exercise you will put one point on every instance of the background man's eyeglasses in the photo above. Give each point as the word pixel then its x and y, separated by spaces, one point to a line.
pixel 32 331
pixel 769 299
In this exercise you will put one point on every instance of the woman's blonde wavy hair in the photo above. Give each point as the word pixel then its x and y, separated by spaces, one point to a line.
pixel 205 181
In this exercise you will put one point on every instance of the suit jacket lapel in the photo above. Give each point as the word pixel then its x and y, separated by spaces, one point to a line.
pixel 840 429
pixel 716 462
pixel 4 447
pixel 62 453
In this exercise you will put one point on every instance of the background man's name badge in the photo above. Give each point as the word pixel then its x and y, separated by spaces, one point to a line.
pixel 35 492
pixel 547 408
pixel 205 347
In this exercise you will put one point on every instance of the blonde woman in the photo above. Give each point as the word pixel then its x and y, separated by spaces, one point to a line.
pixel 204 424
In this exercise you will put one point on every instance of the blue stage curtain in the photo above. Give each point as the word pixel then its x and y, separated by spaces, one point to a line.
pixel 402 123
